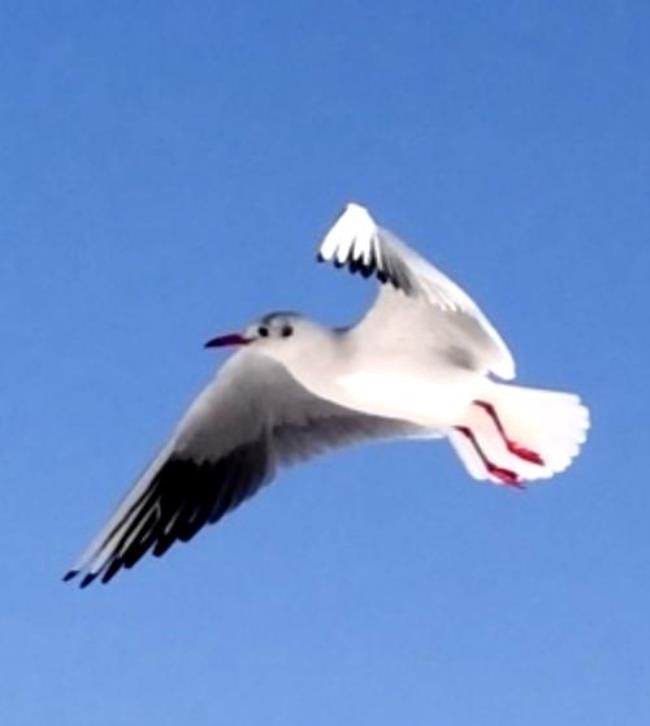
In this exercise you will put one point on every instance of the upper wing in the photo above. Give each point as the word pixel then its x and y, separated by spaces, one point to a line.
pixel 254 417
pixel 413 289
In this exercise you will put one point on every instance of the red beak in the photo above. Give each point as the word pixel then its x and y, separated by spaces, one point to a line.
pixel 227 340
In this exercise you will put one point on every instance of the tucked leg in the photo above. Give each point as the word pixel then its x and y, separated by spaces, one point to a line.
pixel 506 476
pixel 513 447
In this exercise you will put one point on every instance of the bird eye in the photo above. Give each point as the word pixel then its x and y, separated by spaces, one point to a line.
pixel 287 331
pixel 263 331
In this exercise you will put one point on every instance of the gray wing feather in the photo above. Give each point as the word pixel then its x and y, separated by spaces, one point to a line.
pixel 254 418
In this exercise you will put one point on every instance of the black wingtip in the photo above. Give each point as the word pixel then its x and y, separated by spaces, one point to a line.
pixel 320 258
pixel 113 569
pixel 69 575
pixel 88 579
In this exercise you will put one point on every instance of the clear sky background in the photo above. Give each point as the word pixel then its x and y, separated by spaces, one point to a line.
pixel 167 169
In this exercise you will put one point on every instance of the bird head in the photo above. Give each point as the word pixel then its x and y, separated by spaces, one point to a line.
pixel 280 335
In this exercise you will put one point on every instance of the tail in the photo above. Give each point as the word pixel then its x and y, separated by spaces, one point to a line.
pixel 515 434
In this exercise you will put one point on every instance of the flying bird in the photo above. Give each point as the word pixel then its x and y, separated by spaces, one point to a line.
pixel 421 363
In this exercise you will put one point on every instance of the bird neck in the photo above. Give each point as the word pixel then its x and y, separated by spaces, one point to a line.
pixel 317 366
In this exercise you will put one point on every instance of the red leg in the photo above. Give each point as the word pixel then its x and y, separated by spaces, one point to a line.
pixel 513 447
pixel 506 476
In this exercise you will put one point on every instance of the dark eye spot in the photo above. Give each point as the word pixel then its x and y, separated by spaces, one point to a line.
pixel 263 331
pixel 287 331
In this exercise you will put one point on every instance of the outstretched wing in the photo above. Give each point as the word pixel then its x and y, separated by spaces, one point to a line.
pixel 413 291
pixel 252 419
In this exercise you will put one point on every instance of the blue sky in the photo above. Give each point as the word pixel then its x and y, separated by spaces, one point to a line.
pixel 167 170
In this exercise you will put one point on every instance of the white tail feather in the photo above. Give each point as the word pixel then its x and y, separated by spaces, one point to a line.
pixel 550 423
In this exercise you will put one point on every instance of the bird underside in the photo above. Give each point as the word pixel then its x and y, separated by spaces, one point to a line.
pixel 445 407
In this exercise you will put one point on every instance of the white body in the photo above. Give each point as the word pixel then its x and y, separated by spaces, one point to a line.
pixel 414 385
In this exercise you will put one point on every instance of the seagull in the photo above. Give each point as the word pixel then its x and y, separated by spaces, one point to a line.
pixel 421 363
